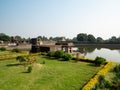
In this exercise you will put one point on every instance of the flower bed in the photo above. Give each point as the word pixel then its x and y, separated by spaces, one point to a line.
pixel 94 80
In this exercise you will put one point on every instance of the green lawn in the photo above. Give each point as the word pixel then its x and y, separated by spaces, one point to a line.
pixel 11 53
pixel 5 52
pixel 53 75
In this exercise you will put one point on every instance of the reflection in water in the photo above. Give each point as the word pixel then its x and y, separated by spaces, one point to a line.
pixel 98 48
pixel 86 50
pixel 93 52
pixel 119 51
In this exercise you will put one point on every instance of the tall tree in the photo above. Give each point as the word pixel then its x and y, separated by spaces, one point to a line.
pixel 113 40
pixel 4 37
pixel 74 39
pixel 99 40
pixel 43 38
pixel 82 37
pixel 91 38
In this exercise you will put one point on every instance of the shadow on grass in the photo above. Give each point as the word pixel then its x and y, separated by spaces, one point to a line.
pixel 25 72
pixel 13 64
pixel 49 58
pixel 92 64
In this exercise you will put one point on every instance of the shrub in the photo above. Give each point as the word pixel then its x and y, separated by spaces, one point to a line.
pixel 2 49
pixel 117 68
pixel 20 59
pixel 51 53
pixel 43 62
pixel 59 54
pixel 16 50
pixel 67 56
pixel 29 69
pixel 99 60
pixel 102 83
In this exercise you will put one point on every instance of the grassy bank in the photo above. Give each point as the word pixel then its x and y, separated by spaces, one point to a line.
pixel 53 75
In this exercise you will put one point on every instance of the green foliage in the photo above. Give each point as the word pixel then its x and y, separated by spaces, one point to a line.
pixel 82 37
pixel 29 69
pixel 43 38
pixel 4 37
pixel 91 38
pixel 43 62
pixel 102 84
pixel 100 40
pixel 101 78
pixel 21 59
pixel 59 54
pixel 2 49
pixel 69 75
pixel 51 53
pixel 16 50
pixel 117 68
pixel 99 61
pixel 108 84
pixel 67 57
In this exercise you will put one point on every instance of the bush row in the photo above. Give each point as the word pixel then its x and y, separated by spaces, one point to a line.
pixel 83 59
pixel 94 80
pixel 60 54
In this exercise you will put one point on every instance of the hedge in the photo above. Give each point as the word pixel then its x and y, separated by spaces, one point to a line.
pixel 94 80
pixel 14 56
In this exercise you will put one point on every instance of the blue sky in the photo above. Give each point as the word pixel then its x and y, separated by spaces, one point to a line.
pixel 31 18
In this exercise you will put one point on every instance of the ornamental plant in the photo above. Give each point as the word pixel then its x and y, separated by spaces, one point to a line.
pixel 67 57
pixel 51 53
pixel 99 61
pixel 117 68
pixel 21 59
pixel 2 49
pixel 94 80
pixel 29 69
pixel 59 54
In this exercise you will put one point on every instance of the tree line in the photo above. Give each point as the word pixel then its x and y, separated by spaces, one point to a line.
pixel 80 38
pixel 84 38
pixel 7 38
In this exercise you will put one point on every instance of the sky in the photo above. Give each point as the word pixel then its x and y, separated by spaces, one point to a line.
pixel 32 18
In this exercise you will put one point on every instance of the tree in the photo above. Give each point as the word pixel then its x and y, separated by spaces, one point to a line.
pixel 118 40
pixel 4 37
pixel 91 38
pixel 43 38
pixel 112 40
pixel 99 40
pixel 18 39
pixel 74 39
pixel 51 38
pixel 82 37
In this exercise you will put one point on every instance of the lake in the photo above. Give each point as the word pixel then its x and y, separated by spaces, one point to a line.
pixel 93 52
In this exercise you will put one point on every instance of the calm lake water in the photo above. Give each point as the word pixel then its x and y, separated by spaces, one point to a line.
pixel 92 52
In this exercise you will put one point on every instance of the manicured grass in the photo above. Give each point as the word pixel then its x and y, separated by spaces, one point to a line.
pixel 53 75
pixel 10 53
pixel 5 52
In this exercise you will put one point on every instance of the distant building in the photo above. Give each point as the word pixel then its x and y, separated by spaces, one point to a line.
pixel 39 46
pixel 63 39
